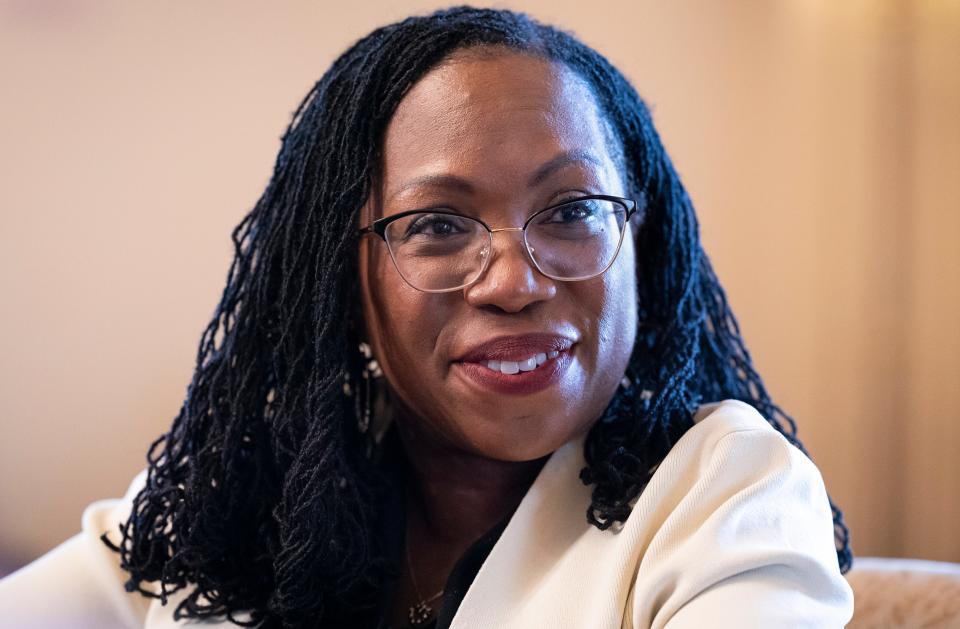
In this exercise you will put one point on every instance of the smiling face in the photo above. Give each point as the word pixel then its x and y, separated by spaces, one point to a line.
pixel 498 138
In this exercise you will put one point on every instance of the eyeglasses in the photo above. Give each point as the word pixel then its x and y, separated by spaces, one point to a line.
pixel 438 251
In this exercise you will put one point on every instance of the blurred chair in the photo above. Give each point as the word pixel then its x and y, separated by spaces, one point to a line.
pixel 908 593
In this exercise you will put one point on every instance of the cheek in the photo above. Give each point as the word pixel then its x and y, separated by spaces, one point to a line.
pixel 403 326
pixel 617 321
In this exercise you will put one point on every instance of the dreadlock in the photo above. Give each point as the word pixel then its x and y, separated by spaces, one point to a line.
pixel 259 500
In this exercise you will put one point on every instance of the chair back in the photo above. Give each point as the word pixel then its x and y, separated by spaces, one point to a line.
pixel 908 593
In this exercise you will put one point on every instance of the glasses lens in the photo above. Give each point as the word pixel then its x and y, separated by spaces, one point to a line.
pixel 577 240
pixel 435 252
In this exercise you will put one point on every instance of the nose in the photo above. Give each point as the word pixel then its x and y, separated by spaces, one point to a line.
pixel 510 282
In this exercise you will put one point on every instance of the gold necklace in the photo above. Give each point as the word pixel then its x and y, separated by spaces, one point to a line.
pixel 421 612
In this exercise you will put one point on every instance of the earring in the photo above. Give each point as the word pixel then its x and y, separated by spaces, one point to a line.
pixel 626 383
pixel 366 393
pixel 371 372
pixel 645 396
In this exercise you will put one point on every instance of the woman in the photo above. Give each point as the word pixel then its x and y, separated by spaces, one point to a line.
pixel 471 368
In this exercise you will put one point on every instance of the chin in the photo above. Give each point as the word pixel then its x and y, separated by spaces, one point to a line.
pixel 520 438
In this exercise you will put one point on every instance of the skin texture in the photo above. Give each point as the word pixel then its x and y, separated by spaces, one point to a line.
pixel 493 121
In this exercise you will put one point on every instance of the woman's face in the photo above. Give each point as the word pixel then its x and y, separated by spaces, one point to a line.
pixel 498 138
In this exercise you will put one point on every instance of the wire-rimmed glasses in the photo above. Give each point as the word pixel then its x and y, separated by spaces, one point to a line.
pixel 438 251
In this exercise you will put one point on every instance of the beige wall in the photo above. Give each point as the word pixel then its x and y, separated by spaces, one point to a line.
pixel 819 140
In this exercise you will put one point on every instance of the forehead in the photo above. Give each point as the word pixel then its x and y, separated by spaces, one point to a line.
pixel 493 120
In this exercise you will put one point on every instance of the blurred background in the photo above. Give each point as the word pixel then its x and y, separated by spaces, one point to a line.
pixel 819 140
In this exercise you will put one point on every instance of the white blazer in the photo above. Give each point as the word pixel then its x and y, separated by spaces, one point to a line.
pixel 733 530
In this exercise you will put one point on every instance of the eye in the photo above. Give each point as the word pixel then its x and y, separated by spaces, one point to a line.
pixel 436 225
pixel 577 211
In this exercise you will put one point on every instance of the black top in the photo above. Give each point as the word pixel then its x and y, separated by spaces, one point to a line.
pixel 394 530
pixel 459 580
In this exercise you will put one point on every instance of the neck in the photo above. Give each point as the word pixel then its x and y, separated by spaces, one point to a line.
pixel 455 496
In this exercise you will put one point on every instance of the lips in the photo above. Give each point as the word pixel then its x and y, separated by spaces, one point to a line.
pixel 516 348
pixel 516 365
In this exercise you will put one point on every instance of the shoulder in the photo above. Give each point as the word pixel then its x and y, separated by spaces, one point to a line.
pixel 733 435
pixel 82 573
pixel 87 579
pixel 739 514
pixel 733 459
pixel 717 420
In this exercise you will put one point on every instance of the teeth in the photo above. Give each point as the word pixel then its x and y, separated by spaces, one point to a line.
pixel 511 367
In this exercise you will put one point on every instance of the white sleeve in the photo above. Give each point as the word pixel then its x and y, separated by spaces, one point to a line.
pixel 750 545
pixel 79 584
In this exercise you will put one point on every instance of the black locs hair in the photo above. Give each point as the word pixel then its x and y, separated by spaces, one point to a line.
pixel 259 499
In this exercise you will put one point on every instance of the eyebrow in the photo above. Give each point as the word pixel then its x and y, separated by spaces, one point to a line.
pixel 459 184
pixel 578 156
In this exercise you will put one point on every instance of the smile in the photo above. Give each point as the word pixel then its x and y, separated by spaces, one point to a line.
pixel 540 371
pixel 510 367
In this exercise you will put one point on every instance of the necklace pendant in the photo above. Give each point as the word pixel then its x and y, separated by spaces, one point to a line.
pixel 420 613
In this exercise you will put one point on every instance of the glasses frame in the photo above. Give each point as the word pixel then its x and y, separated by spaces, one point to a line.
pixel 379 228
